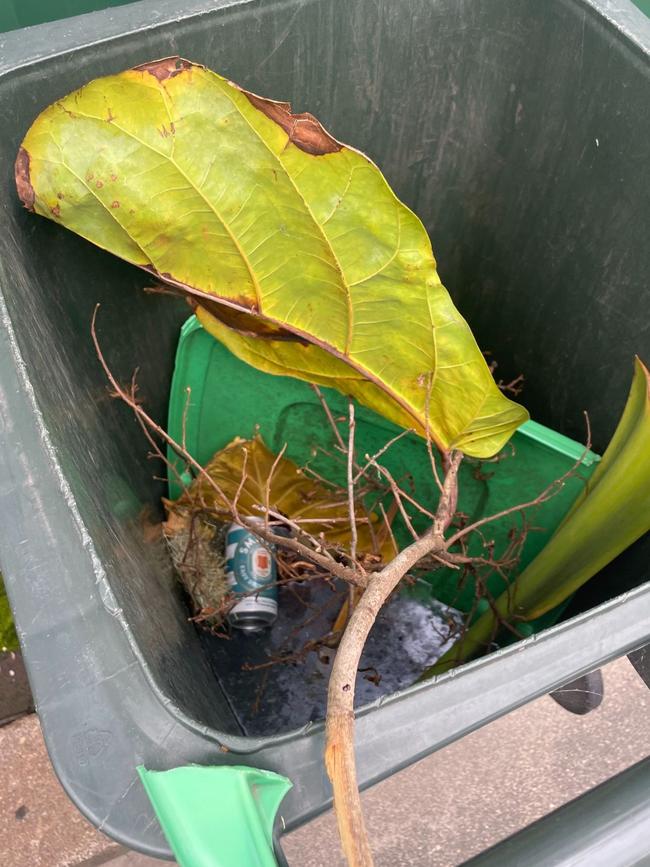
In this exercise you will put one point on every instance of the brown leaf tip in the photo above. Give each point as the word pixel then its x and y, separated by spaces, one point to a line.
pixel 166 68
pixel 23 184
pixel 303 129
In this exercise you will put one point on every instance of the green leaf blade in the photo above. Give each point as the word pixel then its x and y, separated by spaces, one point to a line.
pixel 609 516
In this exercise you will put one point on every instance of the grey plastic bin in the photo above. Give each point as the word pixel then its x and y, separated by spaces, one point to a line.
pixel 519 131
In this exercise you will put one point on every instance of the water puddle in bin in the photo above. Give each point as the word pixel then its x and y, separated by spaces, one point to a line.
pixel 409 635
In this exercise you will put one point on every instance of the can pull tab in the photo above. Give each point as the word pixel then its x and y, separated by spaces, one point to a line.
pixel 217 816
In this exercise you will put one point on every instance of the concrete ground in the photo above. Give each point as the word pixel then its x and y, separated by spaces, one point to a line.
pixel 436 813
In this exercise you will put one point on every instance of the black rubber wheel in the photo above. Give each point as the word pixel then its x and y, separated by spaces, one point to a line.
pixel 582 695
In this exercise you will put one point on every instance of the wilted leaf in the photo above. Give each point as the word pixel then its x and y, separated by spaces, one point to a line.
pixel 611 514
pixel 304 260
pixel 316 507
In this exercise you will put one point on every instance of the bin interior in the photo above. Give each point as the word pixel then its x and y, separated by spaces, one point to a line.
pixel 216 398
pixel 516 130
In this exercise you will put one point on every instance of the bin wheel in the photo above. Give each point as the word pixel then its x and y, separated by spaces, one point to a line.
pixel 640 660
pixel 583 694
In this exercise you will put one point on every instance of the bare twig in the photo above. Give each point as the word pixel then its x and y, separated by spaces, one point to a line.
pixel 514 387
pixel 351 505
pixel 267 486
pixel 241 484
pixel 397 494
pixel 387 525
pixel 405 494
pixel 330 417
pixel 382 450
pixel 427 432
pixel 550 491
pixel 305 556
pixel 339 570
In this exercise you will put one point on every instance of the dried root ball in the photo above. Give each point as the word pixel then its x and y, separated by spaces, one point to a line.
pixel 196 547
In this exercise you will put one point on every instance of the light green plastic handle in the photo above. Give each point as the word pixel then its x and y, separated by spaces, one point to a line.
pixel 217 816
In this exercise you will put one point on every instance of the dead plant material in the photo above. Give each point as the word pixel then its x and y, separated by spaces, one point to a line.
pixel 196 547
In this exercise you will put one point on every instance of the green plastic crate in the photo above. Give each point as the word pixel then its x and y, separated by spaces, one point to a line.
pixel 229 398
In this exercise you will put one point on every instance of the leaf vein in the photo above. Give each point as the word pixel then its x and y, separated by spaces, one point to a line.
pixel 212 207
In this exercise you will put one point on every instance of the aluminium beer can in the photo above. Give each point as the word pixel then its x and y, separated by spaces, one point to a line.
pixel 251 571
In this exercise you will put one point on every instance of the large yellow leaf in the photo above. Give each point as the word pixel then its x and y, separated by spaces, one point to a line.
pixel 303 258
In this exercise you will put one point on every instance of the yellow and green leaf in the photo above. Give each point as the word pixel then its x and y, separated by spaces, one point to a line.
pixel 302 259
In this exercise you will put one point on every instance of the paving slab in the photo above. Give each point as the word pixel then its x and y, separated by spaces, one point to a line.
pixel 39 826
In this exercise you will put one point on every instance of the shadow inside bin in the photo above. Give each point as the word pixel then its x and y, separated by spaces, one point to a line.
pixel 410 633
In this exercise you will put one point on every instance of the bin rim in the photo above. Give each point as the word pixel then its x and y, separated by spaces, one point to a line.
pixel 53 39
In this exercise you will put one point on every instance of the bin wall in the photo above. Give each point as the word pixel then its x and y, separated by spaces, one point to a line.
pixel 516 131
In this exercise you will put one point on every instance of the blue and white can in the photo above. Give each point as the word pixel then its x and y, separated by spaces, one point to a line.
pixel 251 571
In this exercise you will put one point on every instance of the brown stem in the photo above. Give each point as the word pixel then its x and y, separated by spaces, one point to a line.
pixel 350 486
pixel 339 729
